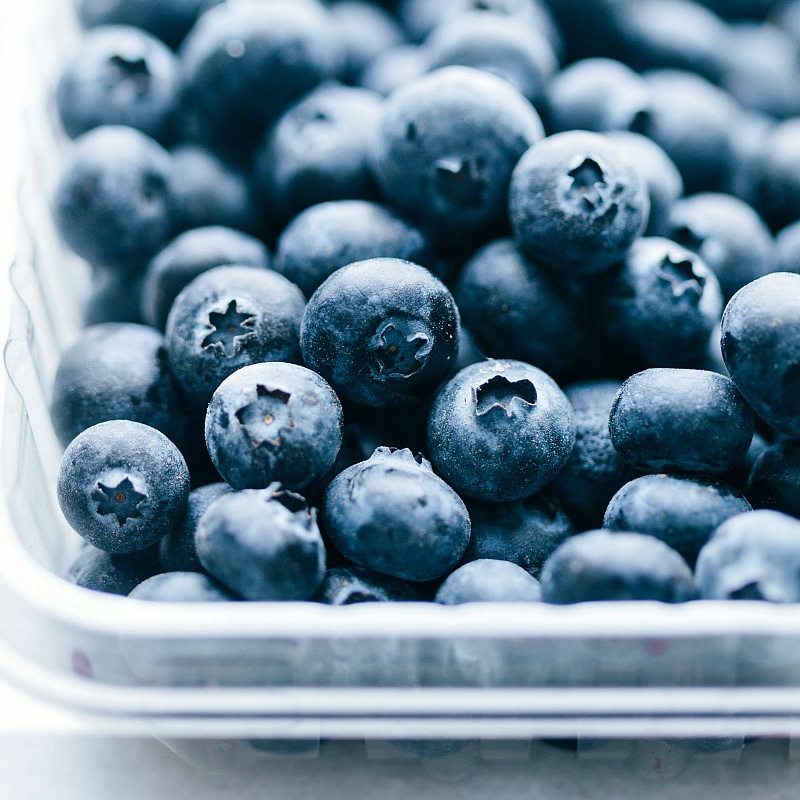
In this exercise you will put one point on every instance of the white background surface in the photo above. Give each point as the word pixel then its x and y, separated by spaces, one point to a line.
pixel 49 754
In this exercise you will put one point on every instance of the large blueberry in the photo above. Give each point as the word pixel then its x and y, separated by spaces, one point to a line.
pixel 392 514
pixel 382 332
pixel 488 580
pixel 273 422
pixel 122 485
pixel 761 348
pixel 500 430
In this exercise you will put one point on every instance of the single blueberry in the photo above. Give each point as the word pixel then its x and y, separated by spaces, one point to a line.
pixel 488 580
pixel 181 587
pixel 114 574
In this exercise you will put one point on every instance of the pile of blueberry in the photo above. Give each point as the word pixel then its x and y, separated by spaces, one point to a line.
pixel 450 300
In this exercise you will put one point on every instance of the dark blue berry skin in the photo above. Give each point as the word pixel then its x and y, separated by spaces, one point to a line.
pixel 114 297
pixel 738 476
pixel 761 348
pixel 752 556
pixel 209 191
pixel 113 204
pixel 602 565
pixel 515 308
pixel 689 420
pixel 327 236
pixel 114 574
pixel 787 242
pixel 393 515
pixel 383 332
pixel 276 52
pixel 524 532
pixel 318 150
pixel 227 318
pixel 263 544
pixel 117 371
pixel 595 471
pixel 176 550
pixel 664 182
pixel 774 480
pixel 188 255
pixel 170 20
pixel 658 308
pixel 727 234
pixel 500 430
pixel 350 584
pixel 497 44
pixel 122 485
pixel 488 581
pixel 181 587
pixel 447 144
pixel 680 510
pixel 273 422
pixel 121 75
pixel 576 203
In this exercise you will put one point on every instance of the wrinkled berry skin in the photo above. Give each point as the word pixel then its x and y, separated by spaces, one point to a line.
pixel 447 145
pixel 113 204
pixel 680 510
pixel 500 430
pixel 117 370
pixel 602 565
pixel 576 203
pixel 350 584
pixel 488 581
pixel 263 544
pixel 176 550
pixel 392 514
pixel 761 348
pixel 524 532
pixel 382 332
pixel 752 556
pixel 227 318
pixel 114 574
pixel 122 485
pixel 681 419
pixel 119 76
pixel 273 422
pixel 659 307
pixel 180 587
pixel 774 480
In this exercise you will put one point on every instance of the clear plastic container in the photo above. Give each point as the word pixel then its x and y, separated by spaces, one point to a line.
pixel 302 670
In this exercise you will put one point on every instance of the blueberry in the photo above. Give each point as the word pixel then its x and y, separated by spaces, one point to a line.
pixel 447 145
pixel 727 234
pixel 752 556
pixel 117 371
pixel 761 348
pixel 121 75
pixel 681 419
pixel 114 205
pixel 263 544
pixel 774 480
pixel 601 565
pixel 680 510
pixel 114 574
pixel 180 587
pixel 350 584
pixel 489 581
pixel 524 532
pixel 392 68
pixel 595 471
pixel 327 236
pixel 500 430
pixel 787 242
pixel 187 256
pixel 392 514
pixel 114 297
pixel 227 318
pixel 576 203
pixel 383 332
pixel 176 550
pixel 122 485
pixel 318 150
pixel 273 422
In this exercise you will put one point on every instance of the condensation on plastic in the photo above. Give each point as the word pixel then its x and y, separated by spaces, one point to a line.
pixel 269 672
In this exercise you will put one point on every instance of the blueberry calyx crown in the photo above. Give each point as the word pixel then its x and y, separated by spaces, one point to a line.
pixel 461 180
pixel 228 328
pixel 588 188
pixel 121 501
pixel 399 349
pixel 294 503
pixel 266 416
pixel 131 69
pixel 680 274
pixel 499 395
pixel 401 454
